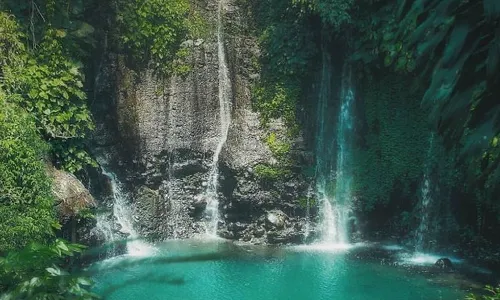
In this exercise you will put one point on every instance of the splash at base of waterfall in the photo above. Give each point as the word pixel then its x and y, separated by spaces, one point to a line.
pixel 124 218
pixel 333 231
pixel 327 247
pixel 212 216
pixel 423 234
pixel 140 248
pixel 420 258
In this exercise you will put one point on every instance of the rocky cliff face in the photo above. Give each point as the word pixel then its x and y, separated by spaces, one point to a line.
pixel 159 136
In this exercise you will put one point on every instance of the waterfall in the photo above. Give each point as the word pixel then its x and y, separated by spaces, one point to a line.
pixel 124 218
pixel 175 206
pixel 225 96
pixel 104 227
pixel 333 178
pixel 421 236
pixel 343 183
pixel 310 195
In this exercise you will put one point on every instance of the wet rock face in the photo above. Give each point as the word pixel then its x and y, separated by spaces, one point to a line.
pixel 159 137
pixel 263 212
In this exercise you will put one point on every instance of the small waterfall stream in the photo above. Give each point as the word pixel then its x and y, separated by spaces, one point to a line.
pixel 123 217
pixel 175 206
pixel 333 179
pixel 426 199
pixel 225 96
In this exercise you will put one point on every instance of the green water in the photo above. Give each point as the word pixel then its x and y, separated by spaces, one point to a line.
pixel 227 272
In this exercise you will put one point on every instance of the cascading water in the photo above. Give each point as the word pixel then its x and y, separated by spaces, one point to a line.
pixel 103 226
pixel 225 96
pixel 310 195
pixel 425 201
pixel 124 218
pixel 333 184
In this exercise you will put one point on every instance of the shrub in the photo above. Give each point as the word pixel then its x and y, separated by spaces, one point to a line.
pixel 37 273
pixel 26 203
pixel 272 173
pixel 492 294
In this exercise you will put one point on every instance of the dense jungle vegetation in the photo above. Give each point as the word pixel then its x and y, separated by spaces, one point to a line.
pixel 421 66
pixel 47 56
pixel 425 70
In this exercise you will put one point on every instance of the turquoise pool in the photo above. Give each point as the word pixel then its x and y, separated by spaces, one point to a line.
pixel 220 270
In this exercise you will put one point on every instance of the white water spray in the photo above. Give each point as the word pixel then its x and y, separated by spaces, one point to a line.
pixel 124 218
pixel 225 96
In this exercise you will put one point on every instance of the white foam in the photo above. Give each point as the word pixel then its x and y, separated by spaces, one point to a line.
pixel 138 248
pixel 393 247
pixel 419 258
pixel 326 247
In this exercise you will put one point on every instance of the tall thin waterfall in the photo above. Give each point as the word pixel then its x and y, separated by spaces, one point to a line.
pixel 333 177
pixel 225 96
pixel 123 217
pixel 426 199
pixel 175 206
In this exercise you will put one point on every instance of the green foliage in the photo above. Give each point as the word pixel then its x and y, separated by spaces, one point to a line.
pixel 332 12
pixel 376 40
pixel 396 143
pixel 53 86
pixel 11 46
pixel 288 46
pixel 279 148
pixel 305 202
pixel 493 293
pixel 37 272
pixel 270 173
pixel 454 46
pixel 49 85
pixel 26 203
pixel 70 155
pixel 69 16
pixel 278 101
pixel 152 32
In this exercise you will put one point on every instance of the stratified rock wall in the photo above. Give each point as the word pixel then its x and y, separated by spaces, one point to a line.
pixel 159 136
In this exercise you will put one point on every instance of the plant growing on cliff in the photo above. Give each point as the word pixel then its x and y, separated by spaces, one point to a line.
pixel 279 148
pixel 306 202
pixel 288 46
pixel 152 32
pixel 395 142
pixel 270 173
pixel 11 46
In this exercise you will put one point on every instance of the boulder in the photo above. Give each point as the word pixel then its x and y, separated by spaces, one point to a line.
pixel 73 198
pixel 71 195
pixel 276 218
pixel 444 263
